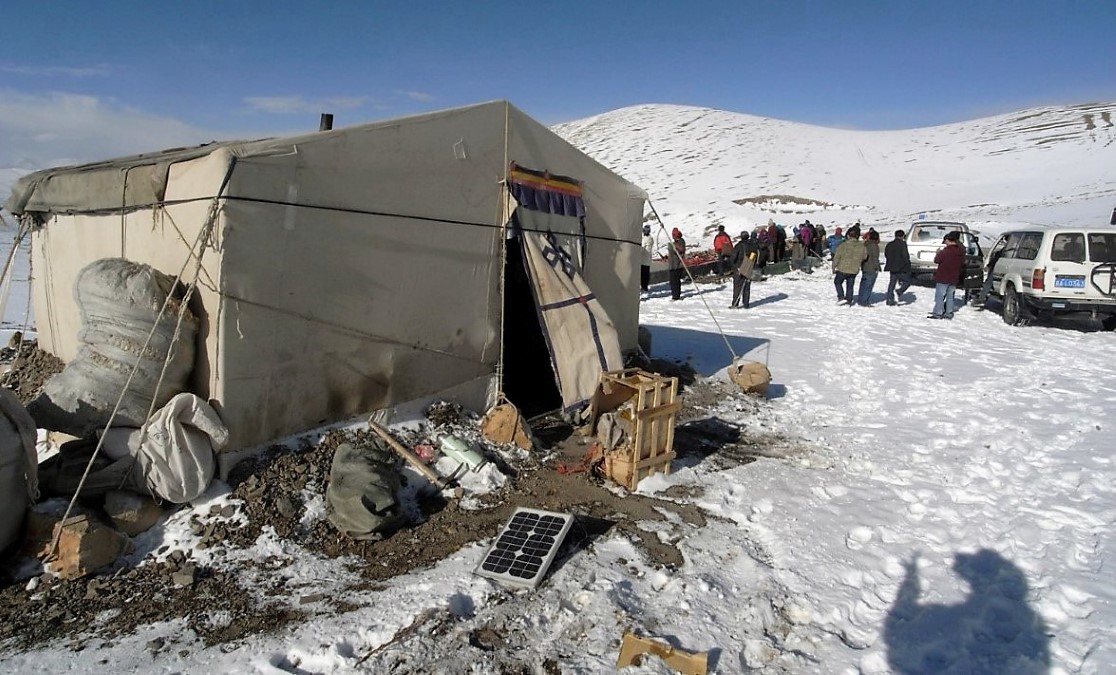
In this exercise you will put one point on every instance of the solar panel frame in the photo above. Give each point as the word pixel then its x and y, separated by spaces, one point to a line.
pixel 526 546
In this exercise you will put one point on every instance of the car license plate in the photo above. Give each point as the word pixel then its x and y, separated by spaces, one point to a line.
pixel 1069 282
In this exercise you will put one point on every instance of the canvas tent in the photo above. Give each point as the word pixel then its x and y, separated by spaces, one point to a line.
pixel 350 270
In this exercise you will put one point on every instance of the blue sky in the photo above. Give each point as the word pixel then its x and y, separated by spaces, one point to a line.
pixel 81 78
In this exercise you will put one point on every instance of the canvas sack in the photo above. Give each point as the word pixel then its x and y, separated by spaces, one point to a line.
pixel 746 266
pixel 119 302
pixel 751 376
pixel 176 454
pixel 363 481
pixel 18 466
pixel 504 424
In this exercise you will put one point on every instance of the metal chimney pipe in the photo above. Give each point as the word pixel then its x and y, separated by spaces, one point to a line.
pixel 327 122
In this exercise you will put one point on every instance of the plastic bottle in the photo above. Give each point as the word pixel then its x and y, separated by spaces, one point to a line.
pixel 460 450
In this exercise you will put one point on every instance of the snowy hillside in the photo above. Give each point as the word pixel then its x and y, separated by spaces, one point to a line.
pixel 912 496
pixel 706 167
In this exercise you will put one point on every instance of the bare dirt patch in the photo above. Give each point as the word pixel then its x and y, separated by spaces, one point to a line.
pixel 227 600
pixel 781 199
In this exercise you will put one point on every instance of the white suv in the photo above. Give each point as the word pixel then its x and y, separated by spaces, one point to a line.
pixel 1047 271
pixel 925 239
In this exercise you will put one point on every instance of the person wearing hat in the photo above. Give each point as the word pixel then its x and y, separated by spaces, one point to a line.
pixel 834 240
pixel 897 261
pixel 847 259
pixel 742 262
pixel 722 245
pixel 648 245
pixel 950 260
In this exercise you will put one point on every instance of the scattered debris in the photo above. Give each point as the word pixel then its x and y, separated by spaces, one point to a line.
pixel 280 493
pixel 30 368
pixel 632 413
pixel 439 481
pixel 504 424
pixel 688 663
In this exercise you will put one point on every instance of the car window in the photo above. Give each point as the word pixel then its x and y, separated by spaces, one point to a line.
pixel 1029 246
pixel 1068 247
pixel 972 246
pixel 1012 244
pixel 998 247
pixel 923 234
pixel 1102 247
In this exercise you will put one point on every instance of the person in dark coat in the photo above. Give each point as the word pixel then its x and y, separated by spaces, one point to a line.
pixel 675 266
pixel 950 260
pixel 745 249
pixel 780 243
pixel 897 261
pixel 986 287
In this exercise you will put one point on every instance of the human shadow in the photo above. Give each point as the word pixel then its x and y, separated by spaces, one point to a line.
pixel 774 297
pixel 994 630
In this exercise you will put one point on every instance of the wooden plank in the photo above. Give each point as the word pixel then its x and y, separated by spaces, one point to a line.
pixel 661 411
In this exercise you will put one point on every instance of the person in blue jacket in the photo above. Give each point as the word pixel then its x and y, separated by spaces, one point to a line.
pixel 834 240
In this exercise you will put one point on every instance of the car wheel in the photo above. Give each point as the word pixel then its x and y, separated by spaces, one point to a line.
pixel 1013 307
pixel 1109 322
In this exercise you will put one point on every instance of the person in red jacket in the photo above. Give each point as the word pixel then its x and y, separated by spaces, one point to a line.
pixel 722 245
pixel 950 260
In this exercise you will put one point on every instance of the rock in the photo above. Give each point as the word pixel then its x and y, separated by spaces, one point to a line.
pixel 285 508
pixel 131 513
pixel 42 518
pixel 85 546
pixel 184 576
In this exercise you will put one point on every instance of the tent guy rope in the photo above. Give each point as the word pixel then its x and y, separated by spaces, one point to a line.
pixel 700 294
pixel 200 243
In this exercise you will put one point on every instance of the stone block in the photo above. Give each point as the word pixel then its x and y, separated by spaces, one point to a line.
pixel 85 546
pixel 131 513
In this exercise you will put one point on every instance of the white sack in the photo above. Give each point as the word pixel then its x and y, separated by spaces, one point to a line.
pixel 176 456
pixel 119 302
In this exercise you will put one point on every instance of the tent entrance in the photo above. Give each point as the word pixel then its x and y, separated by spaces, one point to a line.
pixel 529 380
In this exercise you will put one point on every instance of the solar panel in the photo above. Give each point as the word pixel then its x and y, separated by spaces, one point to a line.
pixel 525 547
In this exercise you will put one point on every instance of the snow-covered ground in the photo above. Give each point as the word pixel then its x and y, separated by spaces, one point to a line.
pixel 945 501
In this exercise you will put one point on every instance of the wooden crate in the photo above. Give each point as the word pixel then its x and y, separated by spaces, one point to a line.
pixel 649 402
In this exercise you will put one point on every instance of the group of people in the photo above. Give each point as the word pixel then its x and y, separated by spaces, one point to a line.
pixel 852 255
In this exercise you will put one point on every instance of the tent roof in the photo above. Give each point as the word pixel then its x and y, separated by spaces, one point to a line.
pixel 140 181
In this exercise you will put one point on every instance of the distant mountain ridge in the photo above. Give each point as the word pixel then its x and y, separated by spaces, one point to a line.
pixel 706 167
